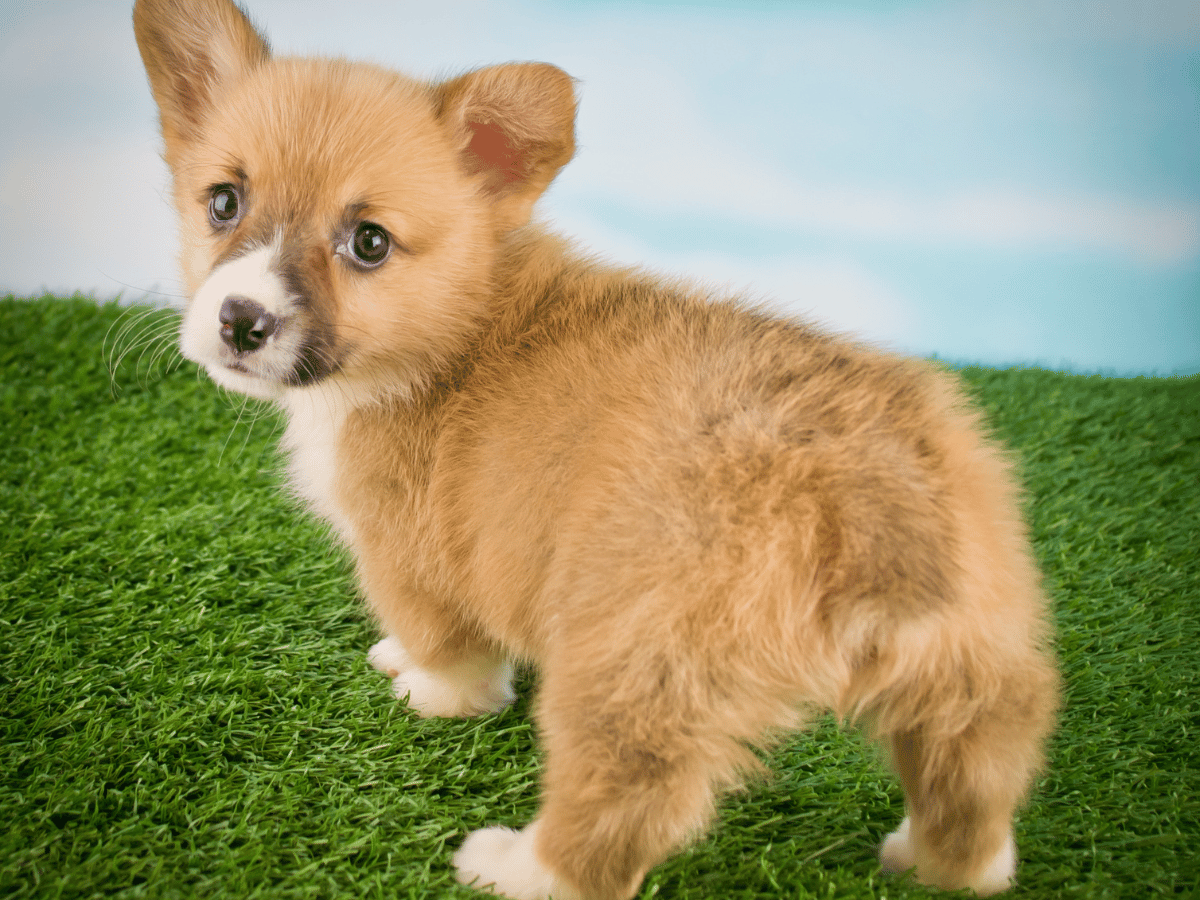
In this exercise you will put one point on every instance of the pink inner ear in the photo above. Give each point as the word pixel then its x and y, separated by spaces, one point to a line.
pixel 495 154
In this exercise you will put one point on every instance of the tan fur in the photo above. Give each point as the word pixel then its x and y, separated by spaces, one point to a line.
pixel 700 522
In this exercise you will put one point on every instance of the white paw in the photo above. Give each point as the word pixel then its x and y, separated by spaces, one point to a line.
pixel 466 689
pixel 897 854
pixel 503 861
pixel 389 657
pixel 1001 872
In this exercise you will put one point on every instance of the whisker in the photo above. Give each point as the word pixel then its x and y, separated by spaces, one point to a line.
pixel 150 329
pixel 166 345
pixel 240 411
pixel 126 322
pixel 152 340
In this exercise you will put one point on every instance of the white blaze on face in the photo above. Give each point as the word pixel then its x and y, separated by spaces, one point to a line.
pixel 251 276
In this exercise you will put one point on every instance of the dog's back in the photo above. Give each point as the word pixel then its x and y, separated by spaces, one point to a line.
pixel 701 522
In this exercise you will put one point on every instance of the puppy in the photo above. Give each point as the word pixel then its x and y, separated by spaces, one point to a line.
pixel 700 523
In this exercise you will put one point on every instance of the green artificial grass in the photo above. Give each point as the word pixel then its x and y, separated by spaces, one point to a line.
pixel 187 710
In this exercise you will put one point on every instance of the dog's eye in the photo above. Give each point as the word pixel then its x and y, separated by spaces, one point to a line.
pixel 223 206
pixel 370 244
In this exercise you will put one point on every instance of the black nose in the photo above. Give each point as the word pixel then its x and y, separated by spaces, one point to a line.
pixel 245 325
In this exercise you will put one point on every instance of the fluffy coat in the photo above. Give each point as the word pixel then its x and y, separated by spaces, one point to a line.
pixel 700 522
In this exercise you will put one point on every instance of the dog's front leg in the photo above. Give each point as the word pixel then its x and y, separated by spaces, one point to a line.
pixel 435 658
pixel 473 685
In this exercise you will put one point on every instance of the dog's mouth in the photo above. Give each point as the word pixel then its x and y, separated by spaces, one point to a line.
pixel 236 366
pixel 305 365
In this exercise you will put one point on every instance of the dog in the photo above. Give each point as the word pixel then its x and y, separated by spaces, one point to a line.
pixel 700 522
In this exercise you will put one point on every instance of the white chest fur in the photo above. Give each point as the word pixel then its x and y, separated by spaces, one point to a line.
pixel 316 418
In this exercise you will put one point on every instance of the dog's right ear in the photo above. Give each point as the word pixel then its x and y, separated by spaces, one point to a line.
pixel 193 50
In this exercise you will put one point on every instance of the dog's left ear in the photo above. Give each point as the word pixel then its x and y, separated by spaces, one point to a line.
pixel 515 125
pixel 194 50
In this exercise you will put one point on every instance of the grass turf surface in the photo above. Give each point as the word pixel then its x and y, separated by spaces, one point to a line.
pixel 187 710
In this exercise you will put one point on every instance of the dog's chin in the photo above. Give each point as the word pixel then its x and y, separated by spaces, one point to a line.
pixel 244 382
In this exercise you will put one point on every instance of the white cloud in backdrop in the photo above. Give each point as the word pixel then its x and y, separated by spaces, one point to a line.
pixel 1001 182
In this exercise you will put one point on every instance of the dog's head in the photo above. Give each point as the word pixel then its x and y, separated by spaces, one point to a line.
pixel 338 220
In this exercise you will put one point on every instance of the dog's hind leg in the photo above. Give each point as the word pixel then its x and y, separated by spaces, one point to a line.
pixel 609 814
pixel 632 773
pixel 962 785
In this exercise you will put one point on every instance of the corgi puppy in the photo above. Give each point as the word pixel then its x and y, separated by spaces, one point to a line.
pixel 701 523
